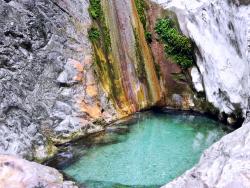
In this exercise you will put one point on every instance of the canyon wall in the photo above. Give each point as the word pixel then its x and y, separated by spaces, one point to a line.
pixel 57 86
pixel 126 67
pixel 142 75
pixel 49 92
pixel 219 30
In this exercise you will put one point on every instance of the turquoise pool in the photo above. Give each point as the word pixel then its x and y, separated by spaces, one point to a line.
pixel 151 151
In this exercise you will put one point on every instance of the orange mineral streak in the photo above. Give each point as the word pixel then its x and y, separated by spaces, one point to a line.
pixel 120 32
pixel 154 85
pixel 93 110
pixel 79 67
pixel 124 23
pixel 110 84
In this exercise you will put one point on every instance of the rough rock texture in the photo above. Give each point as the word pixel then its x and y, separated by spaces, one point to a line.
pixel 175 85
pixel 226 164
pixel 48 90
pixel 51 90
pixel 219 30
pixel 19 173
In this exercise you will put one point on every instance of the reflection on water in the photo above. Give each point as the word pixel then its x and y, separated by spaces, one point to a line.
pixel 149 153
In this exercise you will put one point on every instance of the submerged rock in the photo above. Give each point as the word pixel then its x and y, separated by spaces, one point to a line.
pixel 16 172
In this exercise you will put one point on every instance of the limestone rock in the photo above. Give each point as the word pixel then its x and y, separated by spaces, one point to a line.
pixel 196 78
pixel 16 172
pixel 45 68
pixel 219 29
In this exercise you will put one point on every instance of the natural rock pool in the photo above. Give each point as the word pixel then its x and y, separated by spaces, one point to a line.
pixel 149 152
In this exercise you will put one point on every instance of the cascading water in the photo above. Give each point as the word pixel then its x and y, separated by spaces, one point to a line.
pixel 219 29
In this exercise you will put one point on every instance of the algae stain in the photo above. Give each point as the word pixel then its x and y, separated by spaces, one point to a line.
pixel 153 82
pixel 105 66
pixel 124 63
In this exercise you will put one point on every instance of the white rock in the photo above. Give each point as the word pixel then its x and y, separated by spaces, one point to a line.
pixel 219 29
pixel 19 173
pixel 196 78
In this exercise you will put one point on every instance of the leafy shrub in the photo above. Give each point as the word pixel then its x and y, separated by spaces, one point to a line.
pixel 140 6
pixel 176 45
pixel 94 34
pixel 95 8
pixel 96 12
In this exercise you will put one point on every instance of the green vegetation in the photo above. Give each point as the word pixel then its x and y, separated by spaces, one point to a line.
pixel 102 32
pixel 106 38
pixel 140 67
pixel 94 34
pixel 177 46
pixel 99 35
pixel 95 9
pixel 148 36
pixel 141 6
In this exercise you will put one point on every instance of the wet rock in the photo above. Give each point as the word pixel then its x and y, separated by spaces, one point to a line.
pixel 231 120
pixel 17 172
pixel 177 99
pixel 78 128
pixel 71 73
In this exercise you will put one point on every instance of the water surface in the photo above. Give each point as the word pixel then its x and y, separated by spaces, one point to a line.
pixel 151 152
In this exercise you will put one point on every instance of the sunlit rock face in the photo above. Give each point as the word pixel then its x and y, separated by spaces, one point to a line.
pixel 16 172
pixel 48 90
pixel 219 30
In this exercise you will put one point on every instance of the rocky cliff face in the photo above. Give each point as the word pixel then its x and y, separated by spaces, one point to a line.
pixel 134 70
pixel 219 30
pixel 125 66
pixel 49 93
pixel 56 85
